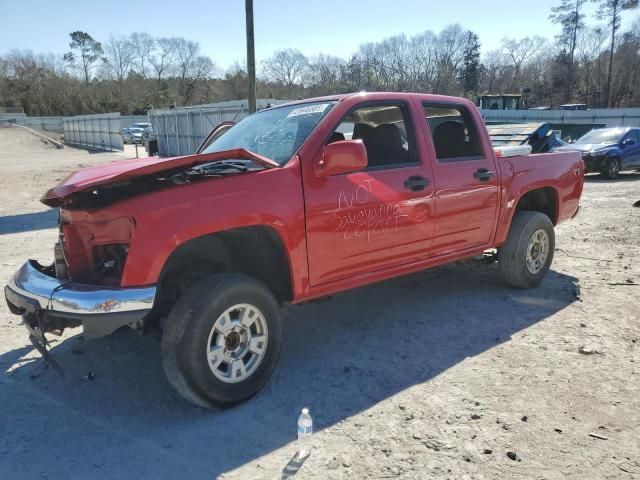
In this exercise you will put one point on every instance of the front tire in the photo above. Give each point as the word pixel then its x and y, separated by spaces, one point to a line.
pixel 222 340
pixel 526 256
pixel 612 169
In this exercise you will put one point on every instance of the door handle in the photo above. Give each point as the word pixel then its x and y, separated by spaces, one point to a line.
pixel 415 183
pixel 483 174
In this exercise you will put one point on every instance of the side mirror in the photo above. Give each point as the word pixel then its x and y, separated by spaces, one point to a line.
pixel 628 142
pixel 343 156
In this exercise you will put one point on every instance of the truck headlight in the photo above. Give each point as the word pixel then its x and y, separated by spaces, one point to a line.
pixel 109 263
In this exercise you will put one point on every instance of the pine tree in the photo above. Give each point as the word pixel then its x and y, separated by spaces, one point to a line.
pixel 84 50
pixel 469 74
pixel 570 17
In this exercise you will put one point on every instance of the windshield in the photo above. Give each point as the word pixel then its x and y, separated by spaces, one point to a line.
pixel 276 133
pixel 602 136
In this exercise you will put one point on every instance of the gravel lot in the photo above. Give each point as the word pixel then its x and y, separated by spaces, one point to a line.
pixel 436 375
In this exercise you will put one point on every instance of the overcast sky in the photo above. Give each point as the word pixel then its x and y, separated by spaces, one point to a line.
pixel 334 27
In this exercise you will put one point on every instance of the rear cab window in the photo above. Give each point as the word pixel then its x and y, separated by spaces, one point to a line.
pixel 453 133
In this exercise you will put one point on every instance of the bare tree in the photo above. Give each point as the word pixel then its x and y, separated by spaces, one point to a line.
pixel 627 68
pixel 173 71
pixel 449 56
pixel 287 67
pixel 186 51
pixel 611 11
pixel 395 51
pixel 163 56
pixel 118 56
pixel 235 83
pixel 37 83
pixel 588 48
pixel 519 51
pixel 325 73
pixel 494 64
pixel 142 45
pixel 200 68
pixel 190 65
pixel 422 60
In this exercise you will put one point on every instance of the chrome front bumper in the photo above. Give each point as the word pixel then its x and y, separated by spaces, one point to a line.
pixel 101 309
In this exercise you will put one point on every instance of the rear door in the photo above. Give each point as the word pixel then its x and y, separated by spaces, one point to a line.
pixel 380 217
pixel 466 180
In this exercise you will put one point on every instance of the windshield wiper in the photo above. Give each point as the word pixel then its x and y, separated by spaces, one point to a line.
pixel 220 166
pixel 209 170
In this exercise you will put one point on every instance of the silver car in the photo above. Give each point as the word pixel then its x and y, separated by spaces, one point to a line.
pixel 132 135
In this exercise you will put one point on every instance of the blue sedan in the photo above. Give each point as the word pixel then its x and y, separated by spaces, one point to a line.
pixel 608 150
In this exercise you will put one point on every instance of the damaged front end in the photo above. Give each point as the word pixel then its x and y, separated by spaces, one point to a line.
pixel 51 304
pixel 83 285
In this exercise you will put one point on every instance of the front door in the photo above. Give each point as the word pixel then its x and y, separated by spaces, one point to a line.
pixel 631 152
pixel 466 181
pixel 380 217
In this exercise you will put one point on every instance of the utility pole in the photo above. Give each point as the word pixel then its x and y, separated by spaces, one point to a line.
pixel 251 56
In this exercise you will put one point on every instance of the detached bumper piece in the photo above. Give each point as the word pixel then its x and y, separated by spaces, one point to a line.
pixel 52 304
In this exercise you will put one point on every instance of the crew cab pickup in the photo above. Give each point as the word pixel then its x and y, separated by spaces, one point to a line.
pixel 292 203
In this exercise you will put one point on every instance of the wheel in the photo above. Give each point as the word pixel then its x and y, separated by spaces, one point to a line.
pixel 612 168
pixel 221 341
pixel 526 256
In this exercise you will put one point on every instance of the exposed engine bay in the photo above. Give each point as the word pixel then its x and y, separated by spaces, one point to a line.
pixel 104 195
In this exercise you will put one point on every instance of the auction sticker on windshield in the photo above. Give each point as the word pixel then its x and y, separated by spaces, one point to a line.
pixel 319 108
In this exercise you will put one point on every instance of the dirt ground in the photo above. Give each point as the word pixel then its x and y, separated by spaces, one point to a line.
pixel 441 374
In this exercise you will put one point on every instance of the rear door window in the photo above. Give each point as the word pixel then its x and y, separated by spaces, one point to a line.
pixel 453 133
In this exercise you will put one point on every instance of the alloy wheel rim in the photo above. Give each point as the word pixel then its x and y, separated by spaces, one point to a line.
pixel 613 168
pixel 537 251
pixel 237 343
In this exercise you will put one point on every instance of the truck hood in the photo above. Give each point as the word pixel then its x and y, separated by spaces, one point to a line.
pixel 122 170
pixel 584 147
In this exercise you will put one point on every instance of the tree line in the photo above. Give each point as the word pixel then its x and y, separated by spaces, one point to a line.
pixel 587 62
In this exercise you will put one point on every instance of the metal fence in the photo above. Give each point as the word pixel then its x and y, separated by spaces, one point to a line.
pixel 12 117
pixel 611 117
pixel 56 124
pixel 181 130
pixel 47 124
pixel 101 131
pixel 128 120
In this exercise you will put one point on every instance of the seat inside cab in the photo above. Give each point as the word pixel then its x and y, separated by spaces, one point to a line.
pixel 382 130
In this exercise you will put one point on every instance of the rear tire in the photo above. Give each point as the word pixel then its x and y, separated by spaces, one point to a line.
pixel 222 340
pixel 526 256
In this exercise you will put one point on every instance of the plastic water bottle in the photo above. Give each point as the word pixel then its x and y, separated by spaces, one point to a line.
pixel 305 425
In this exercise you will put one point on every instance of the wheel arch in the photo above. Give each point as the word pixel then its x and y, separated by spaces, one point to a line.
pixel 257 251
pixel 542 199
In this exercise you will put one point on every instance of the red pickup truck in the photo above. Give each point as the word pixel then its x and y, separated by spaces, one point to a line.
pixel 292 203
